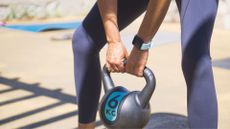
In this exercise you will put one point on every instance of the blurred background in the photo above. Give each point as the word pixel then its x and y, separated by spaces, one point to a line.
pixel 42 9
pixel 36 65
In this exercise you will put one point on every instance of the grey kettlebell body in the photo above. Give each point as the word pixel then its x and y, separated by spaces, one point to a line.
pixel 121 108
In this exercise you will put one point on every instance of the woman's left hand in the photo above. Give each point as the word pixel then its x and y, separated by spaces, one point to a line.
pixel 136 62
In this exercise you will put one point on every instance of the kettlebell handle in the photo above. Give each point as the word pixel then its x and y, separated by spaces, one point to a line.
pixel 144 95
pixel 107 80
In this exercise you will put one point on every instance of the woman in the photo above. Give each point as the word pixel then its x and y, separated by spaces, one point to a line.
pixel 102 25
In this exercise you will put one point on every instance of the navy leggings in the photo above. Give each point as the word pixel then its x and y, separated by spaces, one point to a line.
pixel 197 19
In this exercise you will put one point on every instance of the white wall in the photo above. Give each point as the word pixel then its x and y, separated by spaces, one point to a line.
pixel 53 8
pixel 43 8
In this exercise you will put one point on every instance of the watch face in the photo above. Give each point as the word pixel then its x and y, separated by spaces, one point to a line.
pixel 145 46
pixel 139 43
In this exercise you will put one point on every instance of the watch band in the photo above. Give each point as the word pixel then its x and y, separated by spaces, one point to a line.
pixel 140 44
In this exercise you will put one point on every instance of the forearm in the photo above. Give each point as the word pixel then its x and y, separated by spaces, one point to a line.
pixel 108 11
pixel 154 16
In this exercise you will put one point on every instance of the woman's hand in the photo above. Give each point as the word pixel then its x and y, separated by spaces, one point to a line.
pixel 116 54
pixel 136 62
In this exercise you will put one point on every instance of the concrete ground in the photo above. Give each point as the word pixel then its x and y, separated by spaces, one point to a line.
pixel 37 83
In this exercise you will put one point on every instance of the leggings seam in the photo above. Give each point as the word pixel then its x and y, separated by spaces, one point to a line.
pixel 182 18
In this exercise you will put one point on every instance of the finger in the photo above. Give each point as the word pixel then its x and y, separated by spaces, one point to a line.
pixel 130 69
pixel 139 74
pixel 114 66
pixel 139 71
pixel 111 65
pixel 108 66
pixel 121 67
pixel 127 66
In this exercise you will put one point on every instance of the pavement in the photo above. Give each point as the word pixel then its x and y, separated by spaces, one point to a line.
pixel 37 83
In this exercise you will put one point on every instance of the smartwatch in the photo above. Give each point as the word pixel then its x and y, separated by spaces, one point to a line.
pixel 140 44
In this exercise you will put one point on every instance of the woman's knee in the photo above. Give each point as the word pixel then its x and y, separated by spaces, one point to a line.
pixel 82 43
pixel 194 60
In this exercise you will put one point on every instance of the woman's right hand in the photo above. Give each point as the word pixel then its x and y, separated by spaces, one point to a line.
pixel 116 54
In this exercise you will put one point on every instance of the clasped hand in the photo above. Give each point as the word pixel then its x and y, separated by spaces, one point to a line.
pixel 135 62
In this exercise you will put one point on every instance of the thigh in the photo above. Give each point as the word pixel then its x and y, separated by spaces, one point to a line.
pixel 128 11
pixel 197 20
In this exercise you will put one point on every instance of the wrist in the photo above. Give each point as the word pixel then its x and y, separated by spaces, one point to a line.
pixel 145 38
pixel 113 36
pixel 112 32
pixel 139 51
pixel 113 41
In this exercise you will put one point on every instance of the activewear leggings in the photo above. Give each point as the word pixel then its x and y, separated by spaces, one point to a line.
pixel 197 19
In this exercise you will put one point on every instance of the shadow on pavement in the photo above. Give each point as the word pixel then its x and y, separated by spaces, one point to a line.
pixel 167 121
pixel 15 84
pixel 222 63
pixel 157 120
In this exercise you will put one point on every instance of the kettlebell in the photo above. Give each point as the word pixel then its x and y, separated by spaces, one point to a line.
pixel 123 109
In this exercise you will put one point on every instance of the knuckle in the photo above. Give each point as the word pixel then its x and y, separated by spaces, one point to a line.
pixel 115 71
pixel 111 61
pixel 129 71
pixel 140 69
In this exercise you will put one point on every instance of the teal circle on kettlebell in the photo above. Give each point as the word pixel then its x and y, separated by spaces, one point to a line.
pixel 112 103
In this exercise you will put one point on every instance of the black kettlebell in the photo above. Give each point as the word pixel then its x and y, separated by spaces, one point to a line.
pixel 123 109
